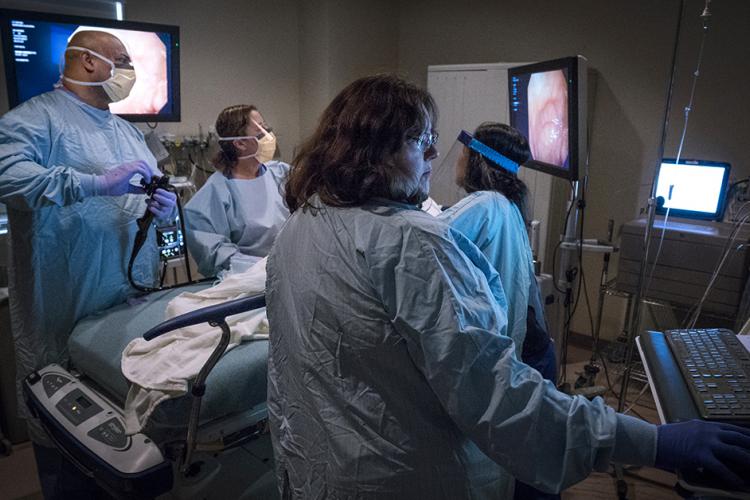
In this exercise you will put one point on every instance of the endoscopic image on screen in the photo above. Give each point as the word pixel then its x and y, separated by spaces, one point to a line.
pixel 38 65
pixel 548 117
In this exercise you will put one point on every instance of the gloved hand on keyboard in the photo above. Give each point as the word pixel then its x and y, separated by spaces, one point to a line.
pixel 710 451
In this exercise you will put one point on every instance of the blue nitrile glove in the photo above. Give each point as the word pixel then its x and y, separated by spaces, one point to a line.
pixel 162 203
pixel 710 450
pixel 116 181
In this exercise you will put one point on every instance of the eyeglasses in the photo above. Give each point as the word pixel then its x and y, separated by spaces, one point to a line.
pixel 264 129
pixel 426 140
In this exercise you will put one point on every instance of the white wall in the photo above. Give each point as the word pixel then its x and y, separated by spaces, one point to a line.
pixel 341 41
pixel 232 52
pixel 288 57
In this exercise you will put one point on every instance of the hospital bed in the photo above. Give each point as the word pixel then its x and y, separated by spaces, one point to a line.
pixel 227 454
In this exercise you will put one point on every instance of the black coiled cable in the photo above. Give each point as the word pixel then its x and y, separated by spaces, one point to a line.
pixel 144 223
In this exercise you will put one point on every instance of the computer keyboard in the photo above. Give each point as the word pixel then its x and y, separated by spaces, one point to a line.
pixel 716 367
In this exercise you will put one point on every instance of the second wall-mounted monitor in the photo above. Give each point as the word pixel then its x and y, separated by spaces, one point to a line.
pixel 34 45
pixel 547 102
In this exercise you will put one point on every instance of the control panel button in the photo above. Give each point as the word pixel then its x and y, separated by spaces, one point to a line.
pixel 77 407
pixel 52 382
pixel 111 433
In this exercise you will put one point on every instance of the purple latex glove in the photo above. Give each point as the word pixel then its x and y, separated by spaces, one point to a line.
pixel 162 203
pixel 116 181
pixel 719 453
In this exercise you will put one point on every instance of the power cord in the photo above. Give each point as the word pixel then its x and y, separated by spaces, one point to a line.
pixel 728 247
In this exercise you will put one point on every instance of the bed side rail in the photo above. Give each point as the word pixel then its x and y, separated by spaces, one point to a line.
pixel 208 314
pixel 214 316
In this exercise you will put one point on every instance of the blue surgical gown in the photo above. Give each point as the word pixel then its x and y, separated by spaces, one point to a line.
pixel 495 225
pixel 389 364
pixel 69 254
pixel 233 222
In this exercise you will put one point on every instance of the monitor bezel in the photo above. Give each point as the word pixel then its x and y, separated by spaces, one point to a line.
pixel 574 65
pixel 6 15
pixel 692 214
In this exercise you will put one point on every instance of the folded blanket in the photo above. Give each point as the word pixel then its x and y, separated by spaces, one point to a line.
pixel 162 368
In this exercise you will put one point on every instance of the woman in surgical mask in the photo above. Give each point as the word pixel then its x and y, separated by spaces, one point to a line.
pixel 234 218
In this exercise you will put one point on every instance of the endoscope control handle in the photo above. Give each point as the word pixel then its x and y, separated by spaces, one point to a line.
pixel 208 314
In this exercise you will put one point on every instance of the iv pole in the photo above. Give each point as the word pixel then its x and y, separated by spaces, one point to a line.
pixel 635 315
pixel 642 282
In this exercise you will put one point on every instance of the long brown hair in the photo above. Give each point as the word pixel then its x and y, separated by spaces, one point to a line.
pixel 483 175
pixel 231 122
pixel 348 159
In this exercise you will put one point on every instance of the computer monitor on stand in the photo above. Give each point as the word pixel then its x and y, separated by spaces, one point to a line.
pixel 692 189
pixel 548 106
pixel 547 102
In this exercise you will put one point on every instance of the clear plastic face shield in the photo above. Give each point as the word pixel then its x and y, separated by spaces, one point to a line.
pixel 265 139
pixel 447 179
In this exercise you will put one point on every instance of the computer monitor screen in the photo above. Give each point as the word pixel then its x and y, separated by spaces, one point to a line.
pixel 34 45
pixel 694 189
pixel 547 105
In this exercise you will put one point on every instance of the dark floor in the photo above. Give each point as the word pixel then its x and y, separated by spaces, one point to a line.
pixel 18 478
pixel 644 482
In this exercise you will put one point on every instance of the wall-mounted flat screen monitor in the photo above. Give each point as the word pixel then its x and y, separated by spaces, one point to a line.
pixel 693 189
pixel 33 50
pixel 547 102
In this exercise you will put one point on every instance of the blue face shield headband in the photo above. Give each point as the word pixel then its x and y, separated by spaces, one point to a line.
pixel 503 161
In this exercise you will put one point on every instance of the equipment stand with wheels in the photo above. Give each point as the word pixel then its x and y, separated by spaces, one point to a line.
pixel 568 273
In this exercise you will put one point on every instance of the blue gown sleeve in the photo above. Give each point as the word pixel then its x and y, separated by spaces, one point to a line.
pixel 207 221
pixel 440 303
pixel 26 137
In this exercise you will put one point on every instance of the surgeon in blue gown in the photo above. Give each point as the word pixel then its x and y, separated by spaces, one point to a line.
pixel 493 217
pixel 234 218
pixel 67 167
pixel 389 362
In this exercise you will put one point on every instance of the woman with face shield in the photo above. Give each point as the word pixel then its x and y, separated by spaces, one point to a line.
pixel 493 216
pixel 234 218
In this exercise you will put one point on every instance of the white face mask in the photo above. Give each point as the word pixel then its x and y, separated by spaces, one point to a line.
pixel 266 145
pixel 117 86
